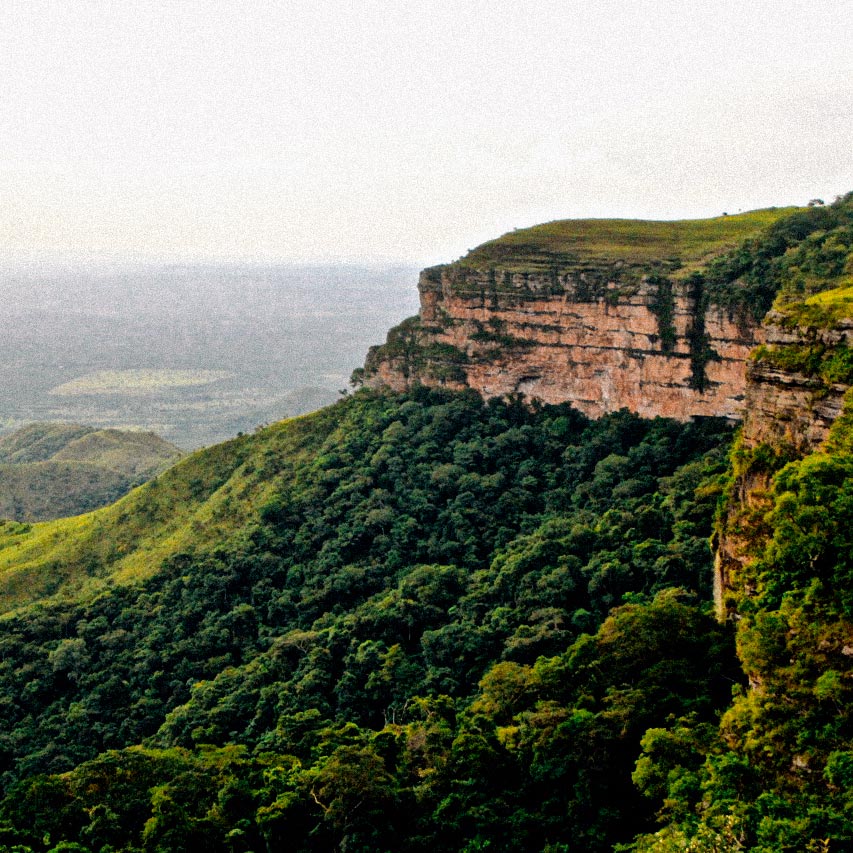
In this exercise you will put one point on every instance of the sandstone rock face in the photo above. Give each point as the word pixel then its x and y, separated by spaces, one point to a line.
pixel 791 414
pixel 602 342
pixel 786 408
pixel 594 342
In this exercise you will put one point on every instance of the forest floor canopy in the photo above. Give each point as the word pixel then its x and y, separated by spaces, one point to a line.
pixel 410 643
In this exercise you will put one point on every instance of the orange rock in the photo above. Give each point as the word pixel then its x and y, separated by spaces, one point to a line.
pixel 601 353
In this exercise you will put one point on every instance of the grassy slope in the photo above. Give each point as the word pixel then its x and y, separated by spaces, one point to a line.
pixel 123 450
pixel 826 309
pixel 38 491
pixel 198 503
pixel 38 442
pixel 132 453
pixel 690 241
pixel 55 470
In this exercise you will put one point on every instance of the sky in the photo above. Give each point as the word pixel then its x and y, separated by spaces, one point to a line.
pixel 404 130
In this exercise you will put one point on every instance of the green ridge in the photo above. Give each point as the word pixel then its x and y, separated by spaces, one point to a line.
pixel 198 502
pixel 684 243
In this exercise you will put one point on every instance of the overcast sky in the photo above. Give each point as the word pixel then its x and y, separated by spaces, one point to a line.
pixel 405 129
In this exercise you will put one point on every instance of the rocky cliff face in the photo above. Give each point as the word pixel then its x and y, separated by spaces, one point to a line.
pixel 792 401
pixel 602 336
pixel 656 317
pixel 790 405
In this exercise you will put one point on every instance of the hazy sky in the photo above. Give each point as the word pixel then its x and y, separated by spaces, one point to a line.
pixel 405 129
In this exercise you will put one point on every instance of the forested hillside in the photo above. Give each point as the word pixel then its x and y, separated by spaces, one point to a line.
pixel 406 645
pixel 778 773
pixel 429 622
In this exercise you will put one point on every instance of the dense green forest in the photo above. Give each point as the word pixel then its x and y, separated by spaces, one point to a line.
pixel 413 634
pixel 429 622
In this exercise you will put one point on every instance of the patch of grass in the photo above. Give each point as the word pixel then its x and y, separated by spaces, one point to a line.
pixel 137 381
pixel 684 244
pixel 821 310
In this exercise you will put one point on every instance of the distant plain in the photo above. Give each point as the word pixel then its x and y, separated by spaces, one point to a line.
pixel 195 353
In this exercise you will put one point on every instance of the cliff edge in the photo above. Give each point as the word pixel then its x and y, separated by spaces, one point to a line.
pixel 798 385
pixel 605 314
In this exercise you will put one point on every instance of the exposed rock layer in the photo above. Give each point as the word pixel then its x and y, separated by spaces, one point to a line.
pixel 606 338
pixel 789 413
pixel 601 339
pixel 787 408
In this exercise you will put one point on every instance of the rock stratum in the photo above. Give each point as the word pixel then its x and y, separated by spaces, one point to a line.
pixel 791 404
pixel 602 351
pixel 603 314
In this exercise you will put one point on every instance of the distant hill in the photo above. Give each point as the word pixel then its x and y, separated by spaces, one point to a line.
pixel 55 470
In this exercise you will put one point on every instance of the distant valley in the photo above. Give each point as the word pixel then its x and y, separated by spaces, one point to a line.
pixel 194 353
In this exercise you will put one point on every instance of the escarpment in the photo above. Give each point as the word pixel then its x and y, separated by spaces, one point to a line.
pixel 605 314
pixel 664 319
pixel 797 384
pixel 604 339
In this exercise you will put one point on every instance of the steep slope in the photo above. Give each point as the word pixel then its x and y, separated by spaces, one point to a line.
pixel 797 380
pixel 55 470
pixel 777 775
pixel 310 610
pixel 602 313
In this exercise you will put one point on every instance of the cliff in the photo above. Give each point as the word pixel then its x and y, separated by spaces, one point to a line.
pixel 604 314
pixel 602 351
pixel 664 319
pixel 793 393
pixel 797 384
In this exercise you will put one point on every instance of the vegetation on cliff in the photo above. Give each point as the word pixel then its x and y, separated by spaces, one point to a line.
pixel 812 316
pixel 800 254
pixel 777 774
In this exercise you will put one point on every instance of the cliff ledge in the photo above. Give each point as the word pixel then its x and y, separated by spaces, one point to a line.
pixel 605 314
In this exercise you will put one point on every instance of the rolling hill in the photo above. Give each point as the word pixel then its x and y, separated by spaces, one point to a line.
pixel 54 470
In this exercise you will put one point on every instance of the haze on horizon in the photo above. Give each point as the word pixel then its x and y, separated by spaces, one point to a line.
pixel 377 131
